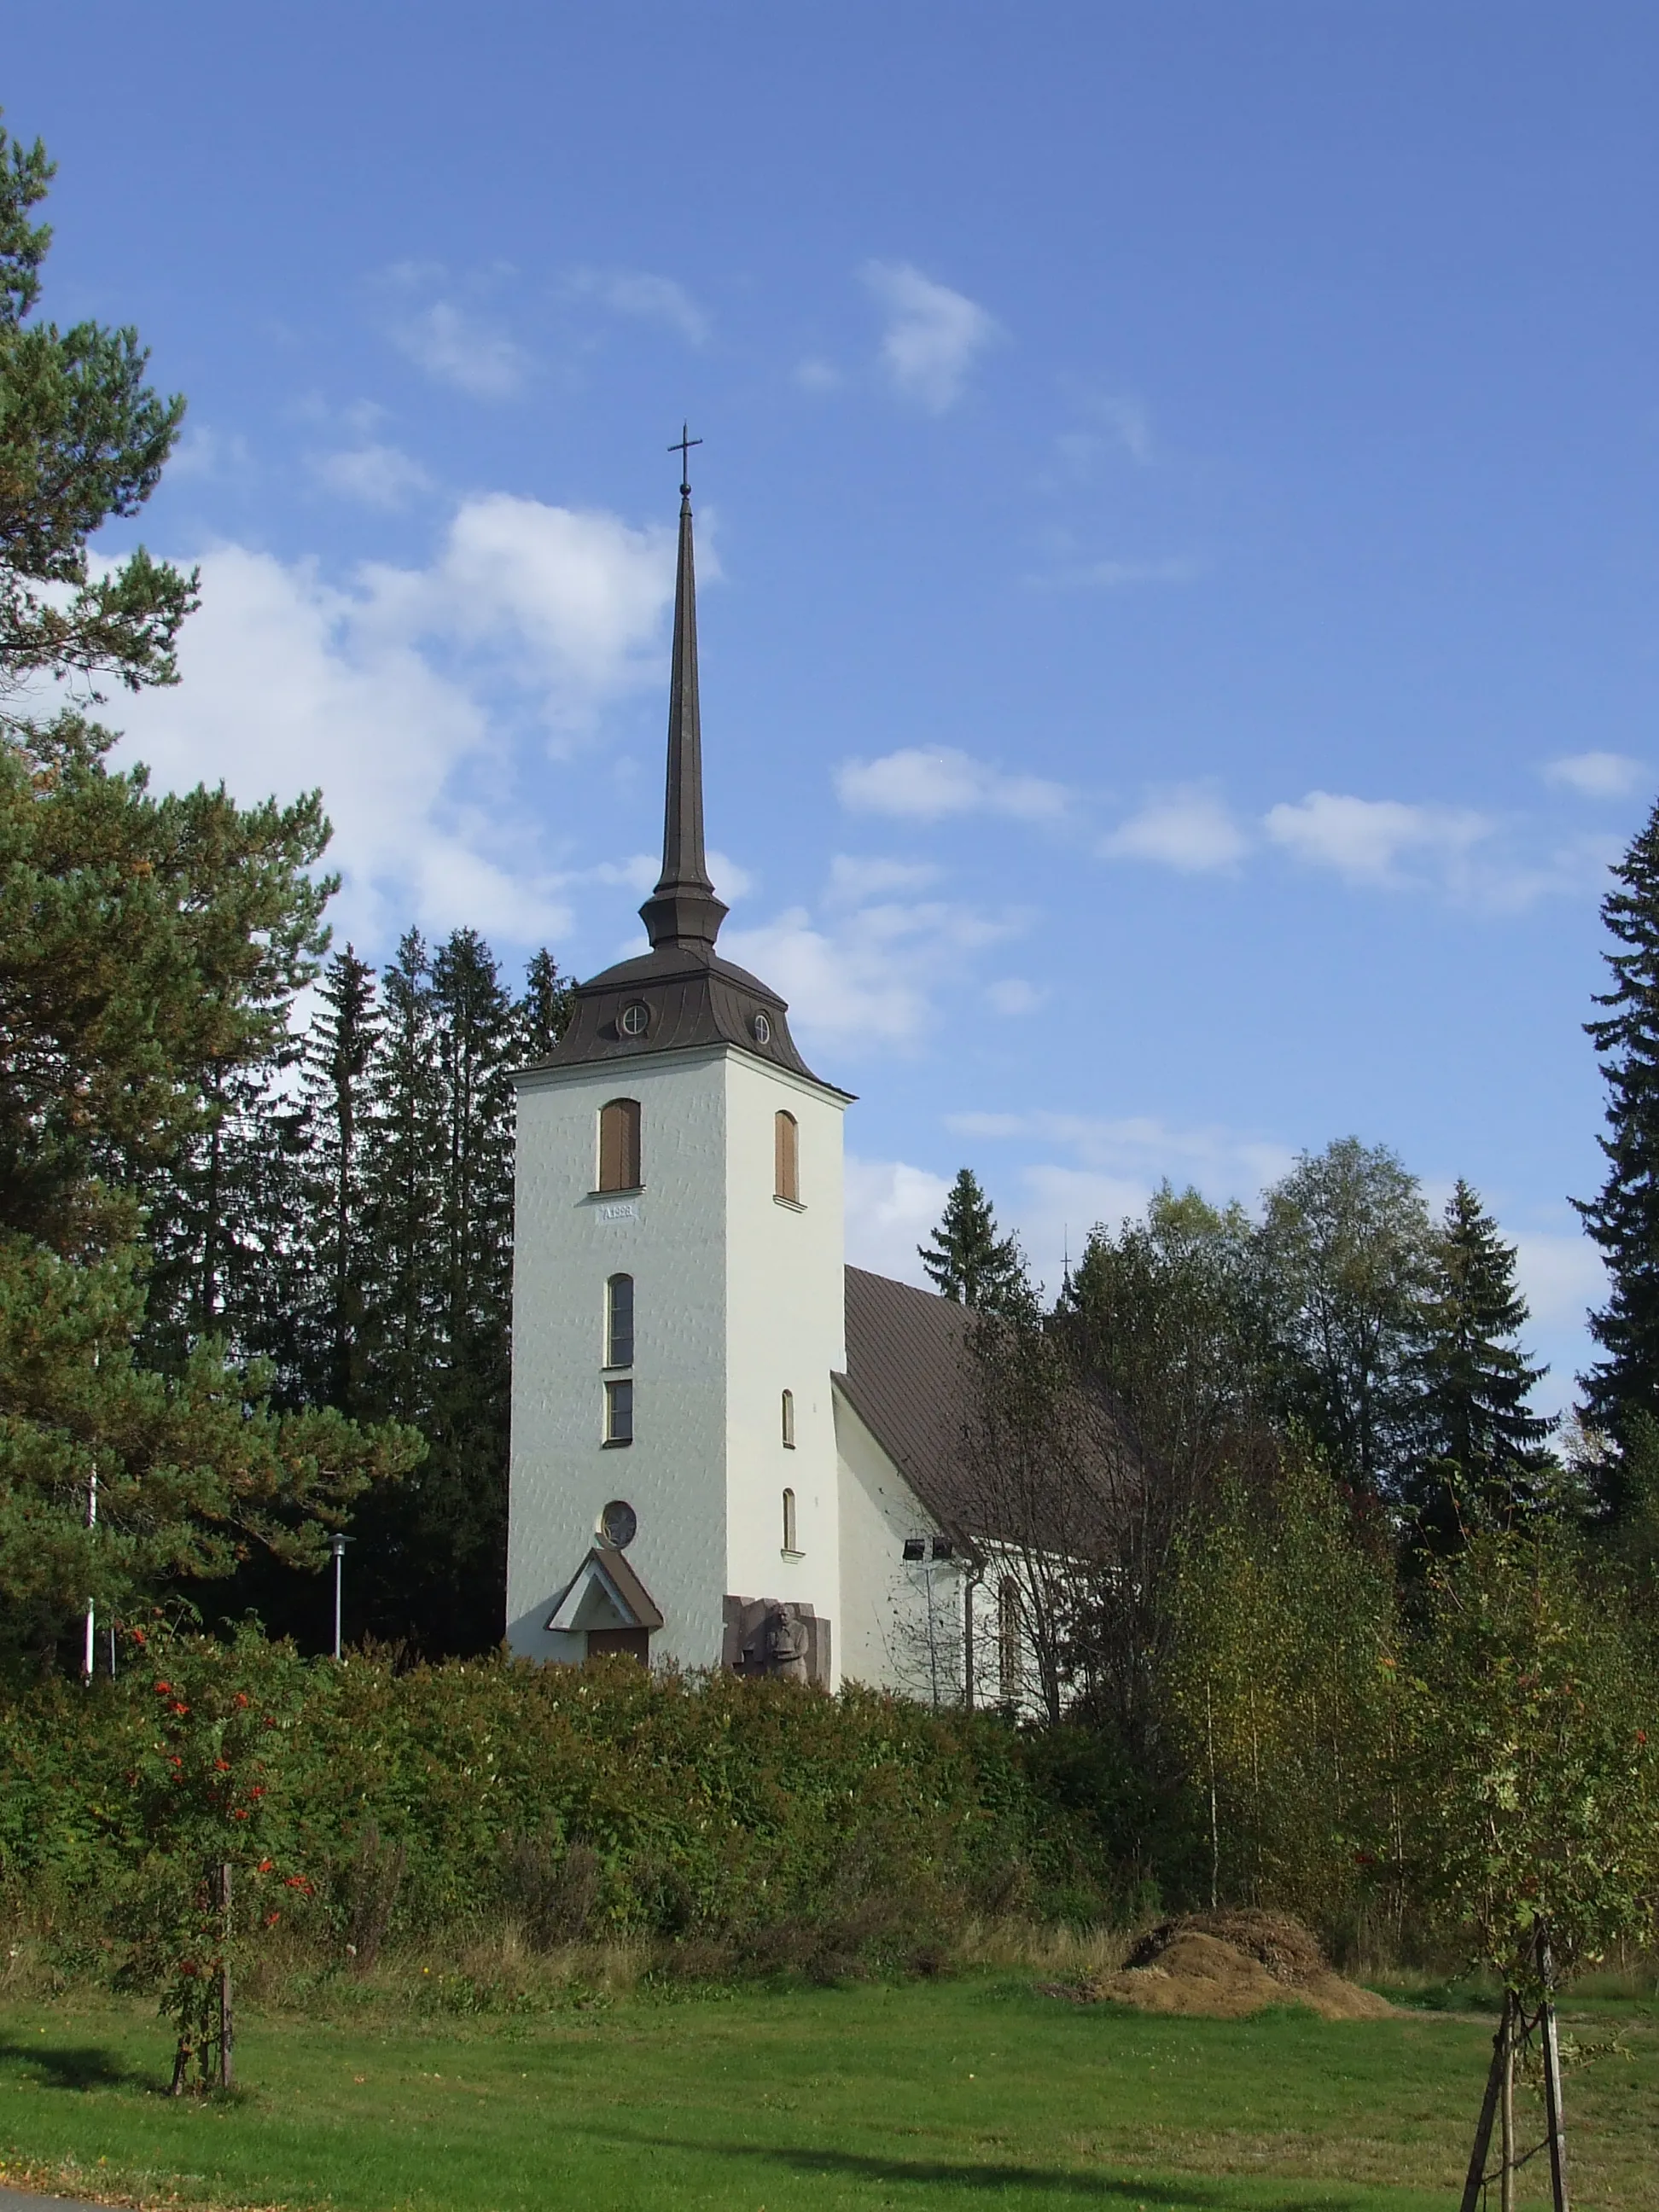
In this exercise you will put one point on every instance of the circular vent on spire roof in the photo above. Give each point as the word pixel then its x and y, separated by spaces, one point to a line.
pixel 761 1029
pixel 634 1018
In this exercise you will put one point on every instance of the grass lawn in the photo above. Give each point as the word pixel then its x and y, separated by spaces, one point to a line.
pixel 954 2094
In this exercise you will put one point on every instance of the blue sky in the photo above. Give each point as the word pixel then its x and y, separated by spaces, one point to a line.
pixel 1177 529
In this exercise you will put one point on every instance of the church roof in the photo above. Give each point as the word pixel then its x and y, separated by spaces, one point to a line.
pixel 910 1379
pixel 681 993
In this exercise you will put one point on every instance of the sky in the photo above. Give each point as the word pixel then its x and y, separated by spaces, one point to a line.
pixel 1178 551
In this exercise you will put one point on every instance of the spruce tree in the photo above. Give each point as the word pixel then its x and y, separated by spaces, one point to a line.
pixel 1624 1217
pixel 1481 1444
pixel 967 1258
pixel 406 1184
pixel 543 1012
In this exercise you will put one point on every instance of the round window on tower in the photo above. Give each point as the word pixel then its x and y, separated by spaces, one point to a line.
pixel 761 1030
pixel 618 1525
pixel 634 1018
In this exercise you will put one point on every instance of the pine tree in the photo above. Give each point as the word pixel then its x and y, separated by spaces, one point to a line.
pixel 1624 1217
pixel 83 439
pixel 1479 1436
pixel 967 1258
pixel 223 1222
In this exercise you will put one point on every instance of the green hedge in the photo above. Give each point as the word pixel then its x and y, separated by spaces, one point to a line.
pixel 579 1802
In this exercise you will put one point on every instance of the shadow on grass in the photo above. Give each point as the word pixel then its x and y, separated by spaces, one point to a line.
pixel 1060 2181
pixel 79 2066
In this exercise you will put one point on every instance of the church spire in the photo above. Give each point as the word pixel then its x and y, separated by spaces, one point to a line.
pixel 683 913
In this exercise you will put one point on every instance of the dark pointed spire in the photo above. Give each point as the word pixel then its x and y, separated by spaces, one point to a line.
pixel 683 912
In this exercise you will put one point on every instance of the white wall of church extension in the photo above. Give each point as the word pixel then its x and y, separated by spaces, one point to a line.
pixel 569 1241
pixel 786 1330
pixel 902 1627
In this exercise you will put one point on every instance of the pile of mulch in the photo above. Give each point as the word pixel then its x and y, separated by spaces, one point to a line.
pixel 1226 1965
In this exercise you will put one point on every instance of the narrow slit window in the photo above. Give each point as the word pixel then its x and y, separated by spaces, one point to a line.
pixel 786 1147
pixel 619 1144
pixel 619 1322
pixel 1010 1649
pixel 789 1543
pixel 789 1420
pixel 619 1412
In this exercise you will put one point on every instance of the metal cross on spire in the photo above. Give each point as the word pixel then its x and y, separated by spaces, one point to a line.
pixel 683 445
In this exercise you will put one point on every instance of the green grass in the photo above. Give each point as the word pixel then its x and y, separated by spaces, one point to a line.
pixel 973 2091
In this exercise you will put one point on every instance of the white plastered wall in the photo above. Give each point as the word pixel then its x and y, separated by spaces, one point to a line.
pixel 786 1330
pixel 736 1299
pixel 901 1620
pixel 568 1242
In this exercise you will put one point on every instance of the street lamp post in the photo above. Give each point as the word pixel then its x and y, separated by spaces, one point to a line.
pixel 338 1543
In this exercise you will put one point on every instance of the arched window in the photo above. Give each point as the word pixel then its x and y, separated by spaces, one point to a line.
pixel 619 1144
pixel 1011 1649
pixel 619 1322
pixel 785 1158
pixel 789 1420
pixel 789 1543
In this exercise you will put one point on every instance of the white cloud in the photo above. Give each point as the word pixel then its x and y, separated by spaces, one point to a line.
pixel 1126 427
pixel 379 475
pixel 1141 1150
pixel 1117 575
pixel 572 596
pixel 731 882
pixel 1013 996
pixel 868 978
pixel 925 783
pixel 818 376
pixel 1597 775
pixel 1370 840
pixel 891 1207
pixel 1113 1168
pixel 934 334
pixel 1561 1276
pixel 452 342
pixel 650 299
pixel 1188 827
pixel 639 872
pixel 206 452
pixel 854 881
pixel 289 682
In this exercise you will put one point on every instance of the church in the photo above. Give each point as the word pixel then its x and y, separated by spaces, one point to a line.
pixel 729 1448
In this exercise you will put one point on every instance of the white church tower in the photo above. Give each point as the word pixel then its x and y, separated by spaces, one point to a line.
pixel 679 1295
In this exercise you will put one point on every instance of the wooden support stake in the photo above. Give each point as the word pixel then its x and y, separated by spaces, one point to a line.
pixel 1553 2113
pixel 227 2026
pixel 1477 2176
pixel 1506 2169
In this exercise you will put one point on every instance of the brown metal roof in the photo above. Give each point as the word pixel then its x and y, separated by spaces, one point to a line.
pixel 690 997
pixel 913 1378
pixel 910 1379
